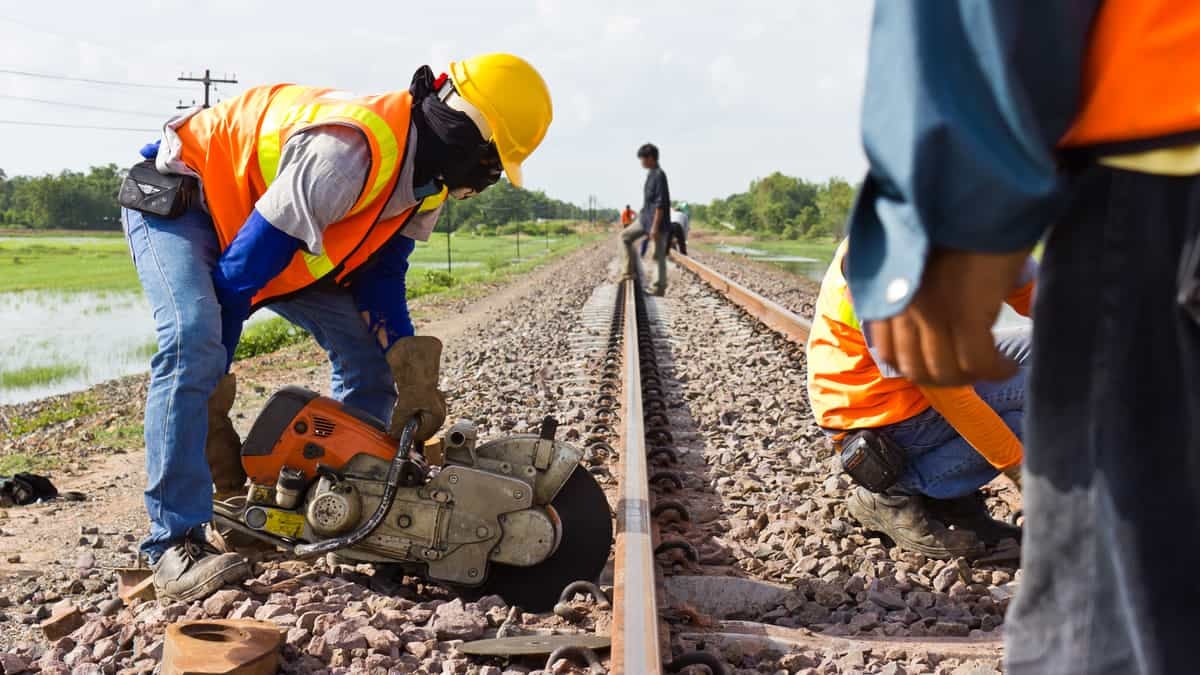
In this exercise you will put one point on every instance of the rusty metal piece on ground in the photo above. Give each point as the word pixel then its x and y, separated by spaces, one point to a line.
pixel 635 606
pixel 135 583
pixel 576 654
pixel 533 645
pixel 793 326
pixel 64 619
pixel 760 636
pixel 221 647
pixel 710 661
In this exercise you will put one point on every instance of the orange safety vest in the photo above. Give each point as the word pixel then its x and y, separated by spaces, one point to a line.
pixel 1141 73
pixel 235 148
pixel 845 387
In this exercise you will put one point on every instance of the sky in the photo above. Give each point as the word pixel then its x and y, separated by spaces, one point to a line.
pixel 729 91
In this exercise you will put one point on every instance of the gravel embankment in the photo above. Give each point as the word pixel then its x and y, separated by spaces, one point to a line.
pixel 764 495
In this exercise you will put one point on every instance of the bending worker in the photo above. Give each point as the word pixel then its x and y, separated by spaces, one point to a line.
pixel 681 222
pixel 309 201
pixel 918 454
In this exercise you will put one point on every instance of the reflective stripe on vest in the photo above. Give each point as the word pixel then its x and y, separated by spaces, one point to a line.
pixel 284 114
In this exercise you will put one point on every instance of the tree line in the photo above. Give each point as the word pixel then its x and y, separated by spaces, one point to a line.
pixel 504 203
pixel 785 206
pixel 70 200
pixel 88 201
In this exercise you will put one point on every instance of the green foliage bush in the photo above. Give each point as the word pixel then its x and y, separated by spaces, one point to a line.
pixel 439 278
pixel 268 336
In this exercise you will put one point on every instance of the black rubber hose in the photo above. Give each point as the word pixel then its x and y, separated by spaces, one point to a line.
pixel 391 484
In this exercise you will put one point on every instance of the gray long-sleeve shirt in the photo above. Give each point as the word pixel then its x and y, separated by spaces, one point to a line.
pixel 322 172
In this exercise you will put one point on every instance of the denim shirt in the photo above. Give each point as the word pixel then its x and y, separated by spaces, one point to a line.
pixel 965 101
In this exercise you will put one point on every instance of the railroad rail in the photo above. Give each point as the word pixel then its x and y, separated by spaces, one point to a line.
pixel 774 315
pixel 638 640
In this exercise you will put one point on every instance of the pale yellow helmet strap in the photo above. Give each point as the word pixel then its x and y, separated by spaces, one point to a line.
pixel 448 95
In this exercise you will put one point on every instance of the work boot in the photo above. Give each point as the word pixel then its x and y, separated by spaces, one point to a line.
pixel 971 513
pixel 191 569
pixel 907 521
pixel 223 448
pixel 416 362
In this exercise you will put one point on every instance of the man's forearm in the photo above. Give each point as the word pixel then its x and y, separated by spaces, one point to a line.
pixel 659 217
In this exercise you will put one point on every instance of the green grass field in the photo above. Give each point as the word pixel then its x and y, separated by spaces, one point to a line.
pixel 66 263
pixel 101 261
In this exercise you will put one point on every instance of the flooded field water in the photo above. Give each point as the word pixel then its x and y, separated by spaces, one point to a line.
pixel 53 342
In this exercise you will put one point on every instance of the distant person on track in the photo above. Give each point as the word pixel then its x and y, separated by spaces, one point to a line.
pixel 680 224
pixel 990 126
pixel 654 222
pixel 309 201
pixel 628 216
pixel 918 454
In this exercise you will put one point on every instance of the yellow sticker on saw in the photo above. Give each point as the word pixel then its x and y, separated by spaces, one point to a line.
pixel 284 523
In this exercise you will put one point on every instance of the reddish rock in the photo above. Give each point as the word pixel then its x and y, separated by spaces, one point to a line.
pixel 64 619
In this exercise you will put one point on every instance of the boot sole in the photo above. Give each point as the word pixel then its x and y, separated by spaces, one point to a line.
pixel 208 586
pixel 900 536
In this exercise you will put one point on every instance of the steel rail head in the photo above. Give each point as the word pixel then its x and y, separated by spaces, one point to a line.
pixel 635 627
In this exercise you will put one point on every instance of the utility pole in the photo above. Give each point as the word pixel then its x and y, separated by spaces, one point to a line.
pixel 208 81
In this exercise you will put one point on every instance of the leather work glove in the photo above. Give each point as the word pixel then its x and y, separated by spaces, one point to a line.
pixel 416 363
pixel 223 448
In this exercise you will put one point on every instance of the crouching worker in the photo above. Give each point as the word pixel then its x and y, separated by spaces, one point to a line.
pixel 918 455
pixel 309 201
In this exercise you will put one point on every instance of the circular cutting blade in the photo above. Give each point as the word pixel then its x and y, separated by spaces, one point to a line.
pixel 587 535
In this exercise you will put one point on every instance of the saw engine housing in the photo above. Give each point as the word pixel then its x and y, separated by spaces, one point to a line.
pixel 319 472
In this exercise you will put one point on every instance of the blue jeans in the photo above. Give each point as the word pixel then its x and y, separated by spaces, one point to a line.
pixel 1112 462
pixel 174 261
pixel 941 464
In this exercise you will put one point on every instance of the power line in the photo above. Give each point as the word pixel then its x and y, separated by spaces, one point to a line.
pixel 115 83
pixel 83 105
pixel 76 126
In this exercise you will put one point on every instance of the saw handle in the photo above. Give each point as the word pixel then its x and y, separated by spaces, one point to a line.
pixel 391 484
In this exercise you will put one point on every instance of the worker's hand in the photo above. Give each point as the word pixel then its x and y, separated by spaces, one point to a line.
pixel 944 336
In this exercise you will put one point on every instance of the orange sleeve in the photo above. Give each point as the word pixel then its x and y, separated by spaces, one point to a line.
pixel 1021 299
pixel 978 424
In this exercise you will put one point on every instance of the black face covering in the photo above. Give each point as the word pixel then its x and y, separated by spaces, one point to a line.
pixel 449 147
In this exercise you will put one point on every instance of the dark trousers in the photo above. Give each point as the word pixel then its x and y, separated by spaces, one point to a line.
pixel 1111 580
pixel 678 238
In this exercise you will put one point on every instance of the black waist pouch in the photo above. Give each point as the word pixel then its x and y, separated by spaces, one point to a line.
pixel 166 196
pixel 872 460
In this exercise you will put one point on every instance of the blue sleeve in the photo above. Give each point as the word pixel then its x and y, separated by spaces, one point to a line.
pixel 379 290
pixel 965 101
pixel 256 255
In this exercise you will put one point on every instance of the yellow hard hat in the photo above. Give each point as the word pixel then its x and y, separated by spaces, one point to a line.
pixel 513 98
